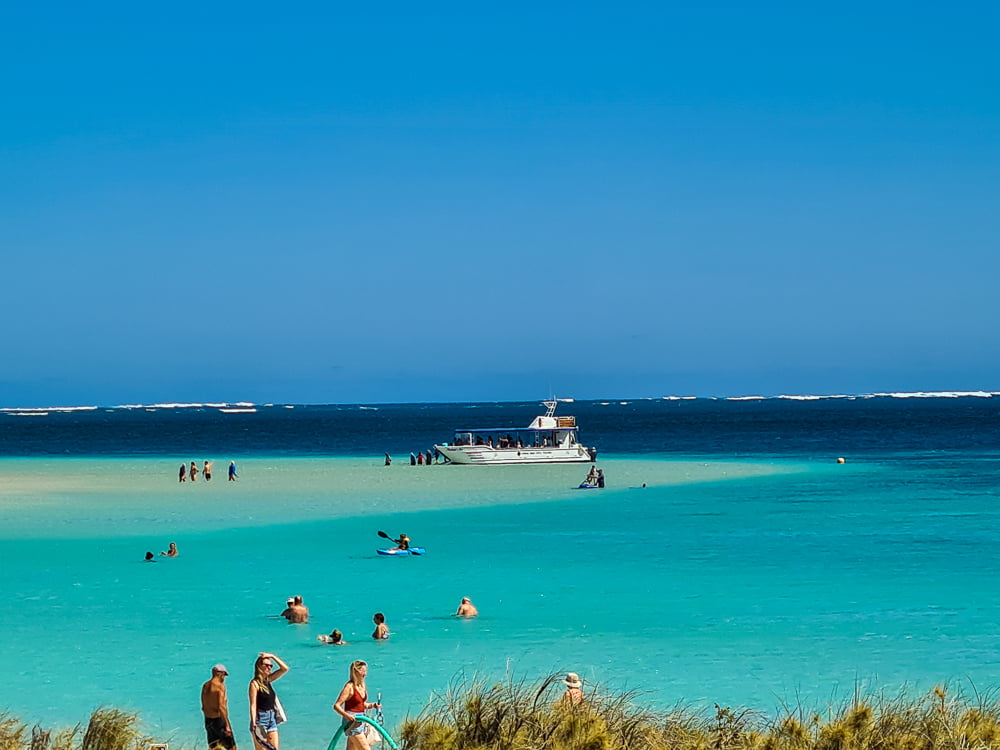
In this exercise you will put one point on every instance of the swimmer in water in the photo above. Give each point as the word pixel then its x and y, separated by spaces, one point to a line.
pixel 381 629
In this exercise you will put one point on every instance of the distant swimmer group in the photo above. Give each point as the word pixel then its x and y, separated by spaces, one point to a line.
pixel 191 471
pixel 170 551
pixel 424 458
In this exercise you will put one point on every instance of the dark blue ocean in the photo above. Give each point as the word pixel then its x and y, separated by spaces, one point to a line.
pixel 865 428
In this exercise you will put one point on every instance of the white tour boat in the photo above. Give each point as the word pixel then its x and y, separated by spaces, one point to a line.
pixel 547 440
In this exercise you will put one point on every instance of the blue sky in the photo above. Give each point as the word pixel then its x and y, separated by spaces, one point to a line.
pixel 338 204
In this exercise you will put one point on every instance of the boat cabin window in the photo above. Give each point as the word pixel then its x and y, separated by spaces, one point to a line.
pixel 517 439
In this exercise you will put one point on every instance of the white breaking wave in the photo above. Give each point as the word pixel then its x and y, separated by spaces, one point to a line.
pixel 934 394
pixel 886 394
pixel 39 409
pixel 810 397
pixel 189 405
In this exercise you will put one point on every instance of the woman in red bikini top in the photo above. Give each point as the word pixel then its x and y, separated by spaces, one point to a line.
pixel 351 701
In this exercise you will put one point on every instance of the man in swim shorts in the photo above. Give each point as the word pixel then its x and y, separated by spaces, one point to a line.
pixel 215 706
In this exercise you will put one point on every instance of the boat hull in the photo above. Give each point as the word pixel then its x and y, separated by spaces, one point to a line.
pixel 485 455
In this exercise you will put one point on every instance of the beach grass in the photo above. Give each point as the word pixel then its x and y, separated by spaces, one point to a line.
pixel 107 729
pixel 519 715
pixel 522 716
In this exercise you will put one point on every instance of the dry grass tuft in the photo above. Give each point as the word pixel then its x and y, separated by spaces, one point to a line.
pixel 108 729
pixel 520 716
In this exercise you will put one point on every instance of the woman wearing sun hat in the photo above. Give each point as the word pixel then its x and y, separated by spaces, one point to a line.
pixel 574 694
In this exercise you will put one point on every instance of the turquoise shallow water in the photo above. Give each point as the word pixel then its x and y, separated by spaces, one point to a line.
pixel 740 582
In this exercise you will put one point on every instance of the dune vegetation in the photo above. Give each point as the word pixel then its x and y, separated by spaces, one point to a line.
pixel 108 729
pixel 522 716
pixel 516 715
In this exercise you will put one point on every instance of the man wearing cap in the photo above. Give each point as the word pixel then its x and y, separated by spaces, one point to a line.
pixel 215 706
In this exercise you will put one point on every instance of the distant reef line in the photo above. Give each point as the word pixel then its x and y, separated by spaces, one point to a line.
pixel 250 406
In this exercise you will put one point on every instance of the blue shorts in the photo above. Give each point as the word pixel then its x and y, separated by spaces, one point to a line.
pixel 267 721
pixel 353 728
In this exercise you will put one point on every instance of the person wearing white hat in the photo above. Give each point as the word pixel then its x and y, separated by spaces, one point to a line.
pixel 574 693
pixel 215 706
pixel 467 608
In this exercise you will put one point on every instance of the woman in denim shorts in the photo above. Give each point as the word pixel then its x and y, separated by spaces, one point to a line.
pixel 353 702
pixel 263 701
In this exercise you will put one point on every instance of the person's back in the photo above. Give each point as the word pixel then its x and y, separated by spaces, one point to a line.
pixel 299 612
pixel 574 689
pixel 467 608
